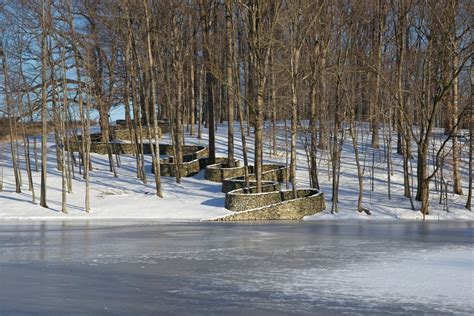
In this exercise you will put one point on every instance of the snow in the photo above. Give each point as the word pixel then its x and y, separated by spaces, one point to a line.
pixel 126 197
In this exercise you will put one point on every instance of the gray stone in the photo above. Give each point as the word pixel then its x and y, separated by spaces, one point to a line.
pixel 272 204
pixel 271 174
pixel 219 171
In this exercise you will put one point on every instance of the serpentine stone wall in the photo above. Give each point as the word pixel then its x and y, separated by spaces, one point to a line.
pixel 244 199
pixel 186 169
pixel 272 204
pixel 163 125
pixel 219 171
pixel 194 158
pixel 235 183
pixel 271 174
pixel 126 134
pixel 101 148
pixel 274 172
pixel 189 151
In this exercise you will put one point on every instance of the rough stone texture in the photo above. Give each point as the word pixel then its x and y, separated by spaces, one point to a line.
pixel 187 169
pixel 94 137
pixel 244 199
pixel 190 151
pixel 271 174
pixel 101 148
pixel 219 171
pixel 194 159
pixel 275 172
pixel 272 205
pixel 239 183
pixel 162 124
pixel 126 134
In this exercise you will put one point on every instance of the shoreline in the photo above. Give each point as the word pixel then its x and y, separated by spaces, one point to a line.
pixel 157 220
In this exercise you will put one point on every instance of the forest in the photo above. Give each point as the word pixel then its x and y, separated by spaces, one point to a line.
pixel 301 80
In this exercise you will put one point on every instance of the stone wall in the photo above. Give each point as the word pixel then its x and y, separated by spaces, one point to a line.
pixel 246 198
pixel 219 171
pixel 271 174
pixel 275 172
pixel 191 165
pixel 187 169
pixel 194 159
pixel 163 125
pixel 101 148
pixel 272 205
pixel 235 183
pixel 190 151
pixel 126 134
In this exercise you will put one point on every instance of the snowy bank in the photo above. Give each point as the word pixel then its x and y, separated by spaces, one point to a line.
pixel 126 197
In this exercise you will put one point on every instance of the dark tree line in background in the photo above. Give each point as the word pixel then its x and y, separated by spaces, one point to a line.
pixel 398 68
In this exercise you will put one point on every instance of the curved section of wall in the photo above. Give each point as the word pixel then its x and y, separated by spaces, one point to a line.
pixel 272 174
pixel 272 204
pixel 220 171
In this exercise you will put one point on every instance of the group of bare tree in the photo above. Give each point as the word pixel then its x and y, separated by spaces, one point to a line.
pixel 400 68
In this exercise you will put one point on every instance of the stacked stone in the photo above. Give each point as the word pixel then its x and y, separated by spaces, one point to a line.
pixel 272 204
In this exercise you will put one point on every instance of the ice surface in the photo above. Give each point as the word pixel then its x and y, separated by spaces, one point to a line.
pixel 267 268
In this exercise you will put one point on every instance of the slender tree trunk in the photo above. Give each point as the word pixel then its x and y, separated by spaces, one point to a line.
pixel 192 90
pixel 294 60
pixel 44 113
pixel 471 154
pixel 209 82
pixel 178 132
pixel 323 115
pixel 87 147
pixel 229 85
pixel 273 105
pixel 11 118
pixel 155 156
pixel 376 104
pixel 314 138
pixel 457 186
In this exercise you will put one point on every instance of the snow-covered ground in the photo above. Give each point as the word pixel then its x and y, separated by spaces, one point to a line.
pixel 126 197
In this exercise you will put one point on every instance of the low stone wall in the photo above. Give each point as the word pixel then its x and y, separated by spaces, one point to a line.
pixel 194 159
pixel 190 151
pixel 272 205
pixel 163 125
pixel 271 174
pixel 94 137
pixel 126 134
pixel 235 183
pixel 101 148
pixel 186 169
pixel 275 172
pixel 244 199
pixel 220 171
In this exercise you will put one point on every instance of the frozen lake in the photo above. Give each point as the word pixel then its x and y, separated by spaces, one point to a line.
pixel 205 268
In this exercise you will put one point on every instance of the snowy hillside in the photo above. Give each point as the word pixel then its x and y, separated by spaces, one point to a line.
pixel 126 197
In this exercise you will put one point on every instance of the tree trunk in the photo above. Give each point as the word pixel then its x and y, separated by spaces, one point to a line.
pixel 209 82
pixel 229 77
pixel 44 119
pixel 155 156
pixel 457 187
pixel 314 138
pixel 11 118
pixel 294 60
pixel 376 104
